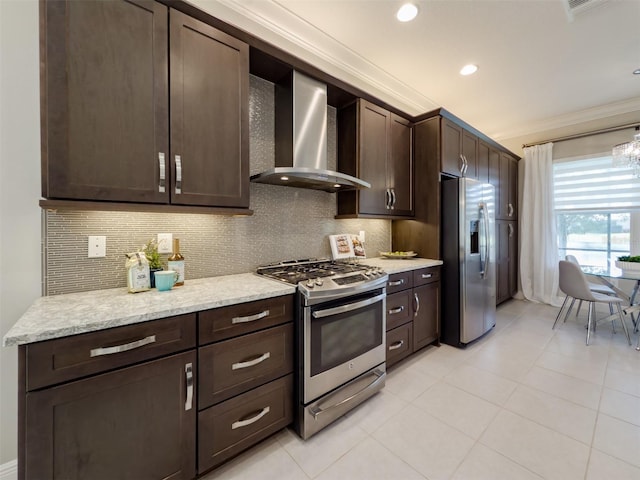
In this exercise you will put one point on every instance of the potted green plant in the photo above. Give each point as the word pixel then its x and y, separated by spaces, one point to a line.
pixel 150 250
pixel 629 263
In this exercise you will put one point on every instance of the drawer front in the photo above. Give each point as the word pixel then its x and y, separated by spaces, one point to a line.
pixel 63 359
pixel 399 343
pixel 398 309
pixel 227 322
pixel 399 281
pixel 232 426
pixel 231 367
pixel 426 275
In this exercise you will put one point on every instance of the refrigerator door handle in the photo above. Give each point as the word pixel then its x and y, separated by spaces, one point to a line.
pixel 485 219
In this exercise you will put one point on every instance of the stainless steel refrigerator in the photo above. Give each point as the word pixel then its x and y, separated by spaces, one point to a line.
pixel 468 253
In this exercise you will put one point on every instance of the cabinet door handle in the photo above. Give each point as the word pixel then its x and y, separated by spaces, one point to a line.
pixel 251 363
pixel 466 164
pixel 395 283
pixel 427 275
pixel 97 352
pixel 396 345
pixel 249 421
pixel 163 176
pixel 188 373
pixel 178 174
pixel 415 297
pixel 250 318
pixel 393 311
pixel 387 199
pixel 510 209
pixel 393 199
pixel 510 230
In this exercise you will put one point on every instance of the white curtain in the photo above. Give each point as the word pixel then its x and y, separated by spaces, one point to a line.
pixel 538 242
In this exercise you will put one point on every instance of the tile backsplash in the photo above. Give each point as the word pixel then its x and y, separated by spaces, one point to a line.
pixel 288 223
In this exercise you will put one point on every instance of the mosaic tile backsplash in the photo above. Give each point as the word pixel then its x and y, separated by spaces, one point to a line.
pixel 288 223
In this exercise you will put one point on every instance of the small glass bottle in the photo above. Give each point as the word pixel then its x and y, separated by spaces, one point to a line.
pixel 176 262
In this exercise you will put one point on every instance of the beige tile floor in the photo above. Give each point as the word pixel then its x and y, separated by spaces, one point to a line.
pixel 524 402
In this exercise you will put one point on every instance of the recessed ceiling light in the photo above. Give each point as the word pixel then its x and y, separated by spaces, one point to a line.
pixel 284 178
pixel 469 69
pixel 407 12
pixel 636 71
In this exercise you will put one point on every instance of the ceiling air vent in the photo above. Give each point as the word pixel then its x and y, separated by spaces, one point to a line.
pixel 577 7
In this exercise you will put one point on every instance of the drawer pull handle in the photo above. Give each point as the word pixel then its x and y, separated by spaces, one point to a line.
pixel 249 421
pixel 427 275
pixel 396 310
pixel 396 283
pixel 188 373
pixel 396 345
pixel 97 352
pixel 250 318
pixel 251 363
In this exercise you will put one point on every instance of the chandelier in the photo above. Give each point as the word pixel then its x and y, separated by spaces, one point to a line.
pixel 628 154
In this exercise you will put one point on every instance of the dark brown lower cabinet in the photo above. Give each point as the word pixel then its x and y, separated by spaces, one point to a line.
pixel 399 343
pixel 426 315
pixel 413 312
pixel 230 427
pixel 506 260
pixel 133 423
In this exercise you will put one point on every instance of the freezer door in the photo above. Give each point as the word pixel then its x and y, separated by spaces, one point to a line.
pixel 473 241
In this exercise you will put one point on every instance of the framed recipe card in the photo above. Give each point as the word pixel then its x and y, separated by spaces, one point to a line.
pixel 345 245
pixel 341 246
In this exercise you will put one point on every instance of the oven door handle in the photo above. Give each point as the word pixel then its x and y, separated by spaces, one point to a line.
pixel 380 376
pixel 348 307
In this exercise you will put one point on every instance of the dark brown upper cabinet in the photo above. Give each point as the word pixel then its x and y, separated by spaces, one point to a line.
pixel 106 87
pixel 376 146
pixel 503 174
pixel 209 81
pixel 459 151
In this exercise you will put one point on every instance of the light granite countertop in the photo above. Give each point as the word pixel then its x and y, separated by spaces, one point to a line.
pixel 71 314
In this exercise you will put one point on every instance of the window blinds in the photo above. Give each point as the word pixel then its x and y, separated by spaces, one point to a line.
pixel 594 184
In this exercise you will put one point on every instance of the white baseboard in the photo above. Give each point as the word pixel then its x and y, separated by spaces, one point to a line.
pixel 9 470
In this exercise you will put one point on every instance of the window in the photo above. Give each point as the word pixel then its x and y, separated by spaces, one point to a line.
pixel 596 205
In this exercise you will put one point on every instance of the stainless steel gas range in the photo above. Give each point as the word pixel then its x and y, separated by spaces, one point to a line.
pixel 340 332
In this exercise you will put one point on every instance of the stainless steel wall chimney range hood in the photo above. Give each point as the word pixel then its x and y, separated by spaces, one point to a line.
pixel 301 139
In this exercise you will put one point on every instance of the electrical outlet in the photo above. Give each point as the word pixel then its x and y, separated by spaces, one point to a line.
pixel 97 246
pixel 165 242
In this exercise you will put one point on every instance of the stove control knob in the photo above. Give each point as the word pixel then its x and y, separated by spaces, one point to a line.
pixel 310 283
pixel 319 282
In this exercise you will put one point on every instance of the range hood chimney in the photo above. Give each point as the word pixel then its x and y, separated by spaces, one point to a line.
pixel 301 139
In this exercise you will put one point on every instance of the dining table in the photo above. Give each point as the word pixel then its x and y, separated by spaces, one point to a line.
pixel 610 278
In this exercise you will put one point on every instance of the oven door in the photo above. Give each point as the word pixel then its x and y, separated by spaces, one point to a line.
pixel 342 339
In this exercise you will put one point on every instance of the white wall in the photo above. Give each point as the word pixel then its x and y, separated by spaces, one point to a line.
pixel 20 237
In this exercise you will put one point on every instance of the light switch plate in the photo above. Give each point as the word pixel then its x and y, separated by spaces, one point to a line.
pixel 97 246
pixel 165 242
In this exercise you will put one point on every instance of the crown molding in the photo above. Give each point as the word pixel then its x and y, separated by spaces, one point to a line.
pixel 275 24
pixel 569 119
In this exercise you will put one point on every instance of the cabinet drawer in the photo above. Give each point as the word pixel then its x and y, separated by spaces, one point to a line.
pixel 234 366
pixel 222 323
pixel 426 275
pixel 398 309
pixel 232 426
pixel 399 343
pixel 399 281
pixel 60 360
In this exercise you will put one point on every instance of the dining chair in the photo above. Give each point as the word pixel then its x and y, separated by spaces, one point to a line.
pixel 575 285
pixel 593 286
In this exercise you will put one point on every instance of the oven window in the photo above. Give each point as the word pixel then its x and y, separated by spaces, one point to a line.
pixel 345 336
